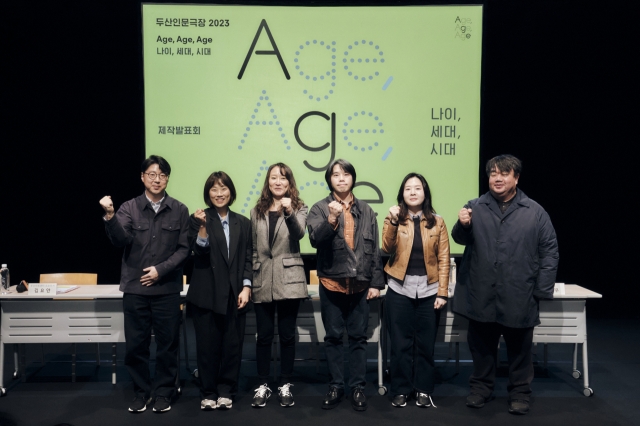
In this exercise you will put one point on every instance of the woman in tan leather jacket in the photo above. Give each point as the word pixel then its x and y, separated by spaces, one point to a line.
pixel 418 276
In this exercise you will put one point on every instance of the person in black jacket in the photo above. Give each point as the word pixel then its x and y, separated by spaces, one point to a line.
pixel 219 291
pixel 153 230
pixel 344 230
pixel 509 264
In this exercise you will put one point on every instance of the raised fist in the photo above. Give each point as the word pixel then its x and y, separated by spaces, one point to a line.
pixel 107 205
pixel 201 216
pixel 394 211
pixel 464 216
pixel 285 203
pixel 335 209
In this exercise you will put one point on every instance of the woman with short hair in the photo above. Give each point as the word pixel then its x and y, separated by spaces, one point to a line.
pixel 220 290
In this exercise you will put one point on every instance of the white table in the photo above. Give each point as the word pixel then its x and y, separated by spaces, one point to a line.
pixel 88 314
pixel 562 320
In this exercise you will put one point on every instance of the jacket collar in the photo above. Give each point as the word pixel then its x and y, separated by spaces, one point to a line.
pixel 142 202
pixel 520 200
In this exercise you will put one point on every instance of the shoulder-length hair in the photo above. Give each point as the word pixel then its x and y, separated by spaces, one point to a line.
pixel 266 197
pixel 223 179
pixel 427 209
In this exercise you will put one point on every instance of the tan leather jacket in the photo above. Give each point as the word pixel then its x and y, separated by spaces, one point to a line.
pixel 398 241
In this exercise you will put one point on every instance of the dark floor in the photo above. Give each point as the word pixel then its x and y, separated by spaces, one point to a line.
pixel 48 397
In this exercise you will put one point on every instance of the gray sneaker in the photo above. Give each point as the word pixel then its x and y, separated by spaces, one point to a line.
pixel 224 403
pixel 424 400
pixel 262 395
pixel 162 405
pixel 208 405
pixel 285 396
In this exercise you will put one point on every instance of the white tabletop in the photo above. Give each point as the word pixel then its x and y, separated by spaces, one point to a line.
pixel 102 291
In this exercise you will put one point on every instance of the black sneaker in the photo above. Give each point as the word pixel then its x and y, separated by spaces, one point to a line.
pixel 139 404
pixel 518 406
pixel 262 395
pixel 476 401
pixel 285 396
pixel 424 400
pixel 162 405
pixel 399 401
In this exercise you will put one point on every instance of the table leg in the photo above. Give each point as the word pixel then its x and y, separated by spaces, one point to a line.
pixel 16 360
pixel 3 391
pixel 113 364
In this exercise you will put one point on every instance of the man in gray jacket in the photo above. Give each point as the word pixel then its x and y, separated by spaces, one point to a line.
pixel 344 230
pixel 509 264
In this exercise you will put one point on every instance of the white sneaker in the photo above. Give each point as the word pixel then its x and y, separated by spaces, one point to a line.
pixel 208 404
pixel 224 403
pixel 262 395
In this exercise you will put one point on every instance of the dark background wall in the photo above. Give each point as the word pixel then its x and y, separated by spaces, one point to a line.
pixel 557 93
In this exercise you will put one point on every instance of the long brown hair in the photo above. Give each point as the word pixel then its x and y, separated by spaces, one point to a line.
pixel 266 197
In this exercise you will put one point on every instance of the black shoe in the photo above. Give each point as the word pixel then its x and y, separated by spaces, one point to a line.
pixel 476 401
pixel 162 405
pixel 358 400
pixel 518 406
pixel 424 400
pixel 332 398
pixel 399 401
pixel 285 396
pixel 139 404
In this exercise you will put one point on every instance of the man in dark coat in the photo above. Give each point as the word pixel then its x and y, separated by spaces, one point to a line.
pixel 152 228
pixel 509 264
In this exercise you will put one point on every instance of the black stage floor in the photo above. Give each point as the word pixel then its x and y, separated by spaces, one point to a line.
pixel 48 397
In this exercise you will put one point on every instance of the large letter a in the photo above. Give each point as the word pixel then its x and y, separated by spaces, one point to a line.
pixel 275 50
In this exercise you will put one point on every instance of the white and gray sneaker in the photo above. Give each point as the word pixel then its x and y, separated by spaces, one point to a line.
pixel 424 400
pixel 224 403
pixel 262 395
pixel 285 396
pixel 208 404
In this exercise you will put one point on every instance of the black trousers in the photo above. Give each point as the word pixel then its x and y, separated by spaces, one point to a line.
pixel 483 338
pixel 141 314
pixel 265 318
pixel 412 325
pixel 219 340
pixel 342 311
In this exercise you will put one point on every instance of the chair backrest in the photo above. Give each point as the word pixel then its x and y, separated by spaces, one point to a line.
pixel 70 278
pixel 313 277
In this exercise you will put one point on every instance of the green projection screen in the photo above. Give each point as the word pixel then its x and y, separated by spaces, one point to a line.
pixel 393 90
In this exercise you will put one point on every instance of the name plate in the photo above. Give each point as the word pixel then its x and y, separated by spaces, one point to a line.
pixel 40 289
pixel 558 289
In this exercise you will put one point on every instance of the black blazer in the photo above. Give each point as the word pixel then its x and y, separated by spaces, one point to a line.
pixel 216 275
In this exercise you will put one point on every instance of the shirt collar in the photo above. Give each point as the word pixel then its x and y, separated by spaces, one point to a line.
pixel 154 205
pixel 226 218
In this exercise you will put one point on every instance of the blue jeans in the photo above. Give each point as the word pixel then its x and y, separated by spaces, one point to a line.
pixel 350 311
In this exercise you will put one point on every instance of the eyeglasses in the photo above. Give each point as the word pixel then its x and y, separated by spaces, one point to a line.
pixel 154 175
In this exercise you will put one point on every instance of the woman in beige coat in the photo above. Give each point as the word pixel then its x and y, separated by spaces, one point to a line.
pixel 278 222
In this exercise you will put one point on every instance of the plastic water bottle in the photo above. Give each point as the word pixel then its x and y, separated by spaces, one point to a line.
pixel 452 277
pixel 6 278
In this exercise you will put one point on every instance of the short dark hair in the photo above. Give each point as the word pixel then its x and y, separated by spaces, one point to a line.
pixel 427 209
pixel 222 178
pixel 156 159
pixel 504 163
pixel 344 165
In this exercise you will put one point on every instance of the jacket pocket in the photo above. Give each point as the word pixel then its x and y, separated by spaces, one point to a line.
pixel 170 233
pixel 140 232
pixel 257 281
pixel 369 243
pixel 293 270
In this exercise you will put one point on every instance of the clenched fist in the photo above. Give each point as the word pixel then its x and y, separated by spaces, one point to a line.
pixel 464 216
pixel 394 211
pixel 335 209
pixel 285 204
pixel 107 205
pixel 201 216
